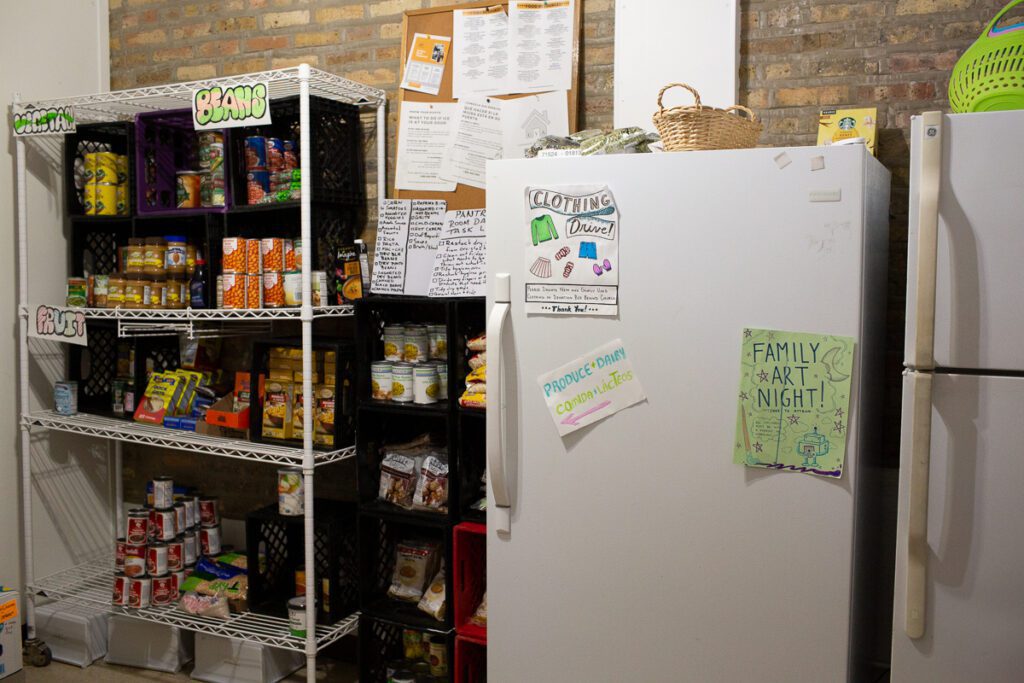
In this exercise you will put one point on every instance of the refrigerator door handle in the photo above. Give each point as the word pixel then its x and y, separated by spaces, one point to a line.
pixel 929 141
pixel 496 406
pixel 917 519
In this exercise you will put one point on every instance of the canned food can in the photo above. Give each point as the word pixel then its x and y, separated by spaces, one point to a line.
pixel 175 555
pixel 291 490
pixel 442 379
pixel 253 257
pixel 65 397
pixel 119 554
pixel 164 524
pixel 257 185
pixel 188 190
pixel 293 289
pixel 191 511
pixel 89 199
pixel 137 526
pixel 121 162
pixel 255 152
pixel 179 518
pixel 380 380
pixel 438 341
pixel 425 388
pixel 179 580
pixel 272 251
pixel 401 383
pixel 394 342
pixel 289 256
pixel 88 166
pixel 156 559
pixel 291 157
pixel 273 290
pixel 104 165
pixel 416 344
pixel 139 590
pixel 275 154
pixel 163 590
pixel 120 593
pixel 209 540
pixel 163 492
pixel 297 616
pixel 438 654
pixel 211 190
pixel 122 205
pixel 209 511
pixel 234 290
pixel 189 548
pixel 233 250
pixel 254 290
pixel 210 137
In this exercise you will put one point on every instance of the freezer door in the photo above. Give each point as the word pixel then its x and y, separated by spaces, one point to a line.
pixel 980 243
pixel 974 595
pixel 636 550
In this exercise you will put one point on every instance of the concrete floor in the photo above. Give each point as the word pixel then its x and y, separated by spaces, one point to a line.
pixel 110 673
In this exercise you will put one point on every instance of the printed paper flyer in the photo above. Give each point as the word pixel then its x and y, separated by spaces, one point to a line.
pixel 794 401
pixel 572 250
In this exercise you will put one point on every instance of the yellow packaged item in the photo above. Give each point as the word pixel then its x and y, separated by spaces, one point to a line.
pixel 323 417
pixel 837 125
pixel 277 410
pixel 162 393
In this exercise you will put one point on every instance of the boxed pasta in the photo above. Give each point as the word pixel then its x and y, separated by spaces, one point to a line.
pixel 277 409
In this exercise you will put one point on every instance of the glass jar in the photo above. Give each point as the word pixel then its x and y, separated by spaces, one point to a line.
pixel 155 267
pixel 176 259
pixel 157 291
pixel 115 291
pixel 175 296
pixel 135 257
pixel 190 258
pixel 136 293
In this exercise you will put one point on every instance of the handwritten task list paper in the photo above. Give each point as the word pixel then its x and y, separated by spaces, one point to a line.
pixel 407 236
pixel 424 135
pixel 460 267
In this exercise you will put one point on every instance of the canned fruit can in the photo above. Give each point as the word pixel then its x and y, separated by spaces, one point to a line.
pixel 188 190
pixel 394 342
pixel 105 199
pixel 272 251
pixel 425 388
pixel 163 492
pixel 65 397
pixel 438 341
pixel 209 540
pixel 255 152
pixel 209 511
pixel 176 555
pixel 416 344
pixel 139 591
pixel 123 203
pixel 119 550
pixel 293 289
pixel 253 291
pixel 234 258
pixel 290 492
pixel 380 380
pixel 163 590
pixel 234 290
pixel 442 379
pixel 273 290
pixel 257 185
pixel 189 548
pixel 163 524
pixel 103 167
pixel 120 593
pixel 137 526
pixel 401 382
pixel 156 559
pixel 253 257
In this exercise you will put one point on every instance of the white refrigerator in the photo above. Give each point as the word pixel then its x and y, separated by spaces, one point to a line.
pixel 959 588
pixel 635 549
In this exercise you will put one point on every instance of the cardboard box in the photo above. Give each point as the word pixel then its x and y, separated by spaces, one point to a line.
pixel 222 414
pixel 836 125
pixel 76 634
pixel 10 633
pixel 142 644
pixel 227 660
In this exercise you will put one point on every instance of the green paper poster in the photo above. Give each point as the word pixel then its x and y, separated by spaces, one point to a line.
pixel 794 401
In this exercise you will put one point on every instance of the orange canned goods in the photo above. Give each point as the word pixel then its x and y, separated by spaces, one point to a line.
pixel 273 290
pixel 272 249
pixel 253 258
pixel 234 290
pixel 289 256
pixel 234 255
pixel 254 290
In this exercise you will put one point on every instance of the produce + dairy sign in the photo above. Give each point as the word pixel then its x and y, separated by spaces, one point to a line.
pixel 234 107
pixel 27 121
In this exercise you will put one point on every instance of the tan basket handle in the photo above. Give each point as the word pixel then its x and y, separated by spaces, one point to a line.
pixel 661 93
pixel 740 108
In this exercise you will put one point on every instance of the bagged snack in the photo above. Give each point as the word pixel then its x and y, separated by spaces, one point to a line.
pixel 477 344
pixel 478 360
pixel 397 479
pixel 477 376
pixel 432 484
pixel 205 565
pixel 415 562
pixel 204 605
pixel 476 388
pixel 479 617
pixel 433 600
pixel 473 401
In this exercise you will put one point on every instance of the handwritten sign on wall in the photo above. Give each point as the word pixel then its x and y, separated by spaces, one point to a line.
pixel 460 266
pixel 407 238
pixel 57 323
pixel 27 121
pixel 234 107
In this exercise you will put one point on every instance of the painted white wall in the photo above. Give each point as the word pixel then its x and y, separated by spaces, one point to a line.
pixel 50 48
pixel 658 42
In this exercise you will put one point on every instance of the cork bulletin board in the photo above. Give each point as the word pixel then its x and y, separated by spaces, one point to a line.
pixel 440 21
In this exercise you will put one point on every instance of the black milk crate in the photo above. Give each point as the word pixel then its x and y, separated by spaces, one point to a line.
pixel 381 643
pixel 279 540
pixel 97 137
pixel 472 460
pixel 95 241
pixel 380 532
pixel 335 147
pixel 344 388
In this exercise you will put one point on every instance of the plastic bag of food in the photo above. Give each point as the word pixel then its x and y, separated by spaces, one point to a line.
pixel 206 565
pixel 479 617
pixel 478 360
pixel 432 484
pixel 205 605
pixel 468 400
pixel 433 600
pixel 397 479
pixel 415 563
pixel 477 343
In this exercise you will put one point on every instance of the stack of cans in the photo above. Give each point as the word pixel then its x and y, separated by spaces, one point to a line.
pixel 271 170
pixel 105 189
pixel 161 545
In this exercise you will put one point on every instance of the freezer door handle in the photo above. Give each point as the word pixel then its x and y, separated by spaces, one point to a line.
pixel 917 519
pixel 929 139
pixel 497 408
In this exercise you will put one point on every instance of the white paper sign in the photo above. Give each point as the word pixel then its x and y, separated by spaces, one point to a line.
pixel 424 69
pixel 478 139
pixel 57 323
pixel 27 121
pixel 424 134
pixel 592 387
pixel 407 236
pixel 233 107
pixel 540 38
pixel 460 267
pixel 527 119
pixel 481 52
pixel 572 250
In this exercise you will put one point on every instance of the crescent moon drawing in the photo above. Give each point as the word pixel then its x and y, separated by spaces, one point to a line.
pixel 830 360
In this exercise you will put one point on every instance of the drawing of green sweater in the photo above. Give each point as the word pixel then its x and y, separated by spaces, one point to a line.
pixel 542 229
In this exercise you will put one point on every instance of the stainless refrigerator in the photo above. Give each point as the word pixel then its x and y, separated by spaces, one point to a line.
pixel 635 549
pixel 959 588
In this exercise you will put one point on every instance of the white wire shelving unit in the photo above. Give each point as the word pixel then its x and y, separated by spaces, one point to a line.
pixel 91 583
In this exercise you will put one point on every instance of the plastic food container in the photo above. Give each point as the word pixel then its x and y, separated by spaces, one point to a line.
pixel 176 259
pixel 155 258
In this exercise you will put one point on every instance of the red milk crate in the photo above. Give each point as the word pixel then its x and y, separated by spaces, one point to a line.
pixel 470 660
pixel 469 577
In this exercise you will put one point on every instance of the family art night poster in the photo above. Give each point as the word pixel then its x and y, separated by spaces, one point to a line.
pixel 794 401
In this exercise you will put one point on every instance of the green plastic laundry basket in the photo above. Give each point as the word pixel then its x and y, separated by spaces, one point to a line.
pixel 990 75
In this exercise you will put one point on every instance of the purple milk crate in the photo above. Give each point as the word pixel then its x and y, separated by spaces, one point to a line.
pixel 170 136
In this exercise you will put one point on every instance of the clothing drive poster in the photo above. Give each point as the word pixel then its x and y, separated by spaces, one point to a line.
pixel 794 401
pixel 572 250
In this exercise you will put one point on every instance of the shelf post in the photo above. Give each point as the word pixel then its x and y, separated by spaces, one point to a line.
pixel 382 154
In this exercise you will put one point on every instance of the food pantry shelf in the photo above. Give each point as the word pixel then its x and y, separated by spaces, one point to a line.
pixel 134 432
pixel 91 584
pixel 201 314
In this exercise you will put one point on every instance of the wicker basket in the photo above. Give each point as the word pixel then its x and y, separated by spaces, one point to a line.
pixel 695 127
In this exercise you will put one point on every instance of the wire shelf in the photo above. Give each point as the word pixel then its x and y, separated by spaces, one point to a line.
pixel 213 314
pixel 152 435
pixel 92 583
